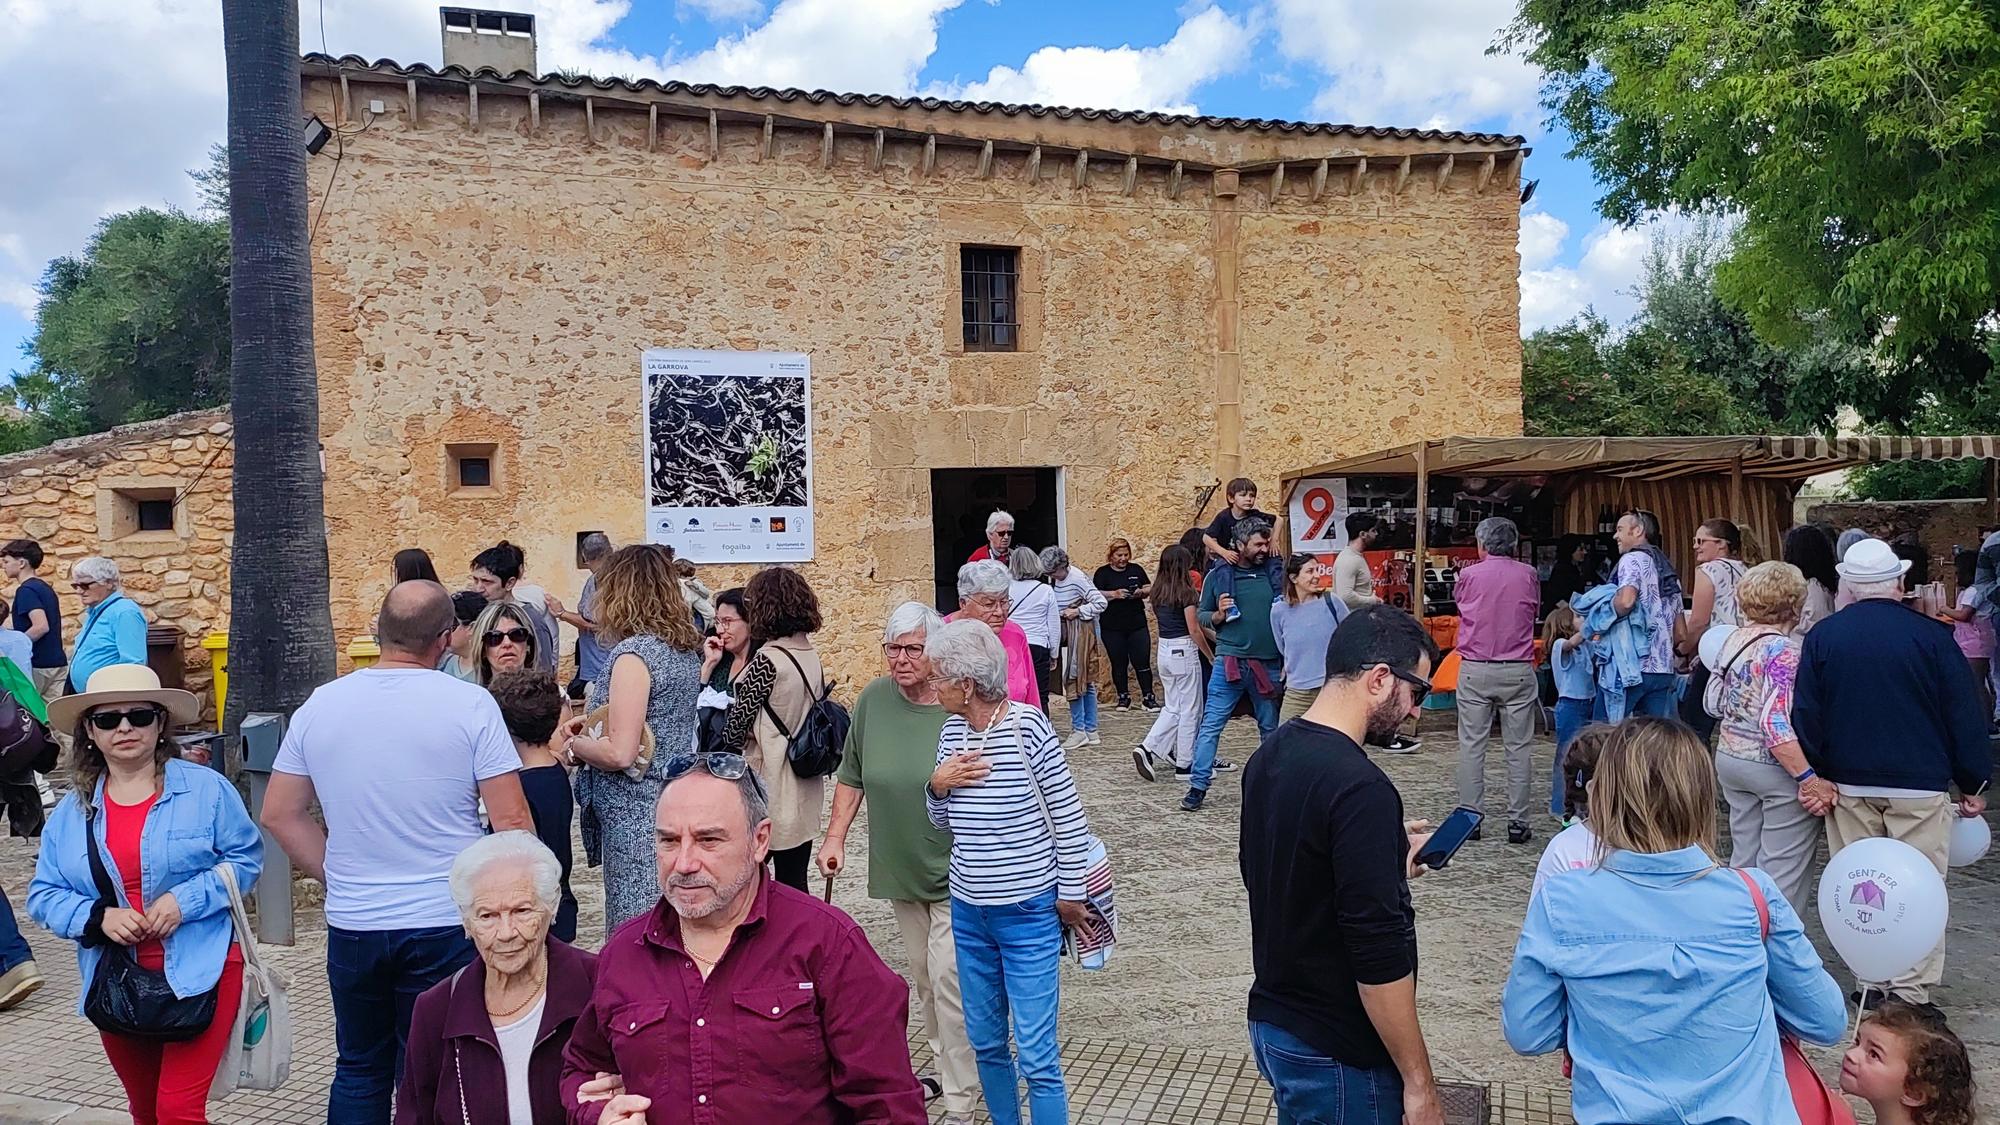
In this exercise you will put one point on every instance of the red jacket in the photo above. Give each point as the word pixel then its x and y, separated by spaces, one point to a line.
pixel 453 1051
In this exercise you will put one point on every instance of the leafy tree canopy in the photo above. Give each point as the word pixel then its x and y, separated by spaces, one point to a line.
pixel 134 327
pixel 1688 363
pixel 1858 141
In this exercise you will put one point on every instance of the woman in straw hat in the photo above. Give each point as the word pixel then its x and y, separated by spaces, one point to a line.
pixel 160 828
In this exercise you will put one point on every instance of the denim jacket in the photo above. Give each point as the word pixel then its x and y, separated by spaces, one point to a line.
pixel 197 823
pixel 1616 643
pixel 1652 970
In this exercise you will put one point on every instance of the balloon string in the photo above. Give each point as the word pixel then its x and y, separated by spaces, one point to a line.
pixel 1860 1013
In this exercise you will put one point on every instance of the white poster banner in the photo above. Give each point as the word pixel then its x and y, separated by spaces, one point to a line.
pixel 1319 515
pixel 728 454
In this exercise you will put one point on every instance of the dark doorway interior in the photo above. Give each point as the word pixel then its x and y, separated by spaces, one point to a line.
pixel 961 499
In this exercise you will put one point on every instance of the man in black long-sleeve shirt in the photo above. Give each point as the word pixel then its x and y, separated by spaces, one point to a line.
pixel 1325 855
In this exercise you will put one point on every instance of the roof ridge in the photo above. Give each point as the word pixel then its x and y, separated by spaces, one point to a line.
pixel 950 105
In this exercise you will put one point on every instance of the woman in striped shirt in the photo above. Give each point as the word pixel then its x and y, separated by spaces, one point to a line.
pixel 1019 841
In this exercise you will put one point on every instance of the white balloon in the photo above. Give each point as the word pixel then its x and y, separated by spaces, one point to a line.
pixel 1884 908
pixel 1970 839
pixel 1710 647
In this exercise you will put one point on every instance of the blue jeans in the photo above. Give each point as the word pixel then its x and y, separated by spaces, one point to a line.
pixel 1008 961
pixel 1658 694
pixel 1083 712
pixel 13 947
pixel 1222 697
pixel 1572 715
pixel 1311 1089
pixel 375 977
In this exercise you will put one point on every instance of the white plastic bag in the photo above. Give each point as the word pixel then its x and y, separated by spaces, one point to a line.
pixel 259 1054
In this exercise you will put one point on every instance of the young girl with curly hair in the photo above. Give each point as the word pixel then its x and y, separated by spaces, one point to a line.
pixel 1910 1067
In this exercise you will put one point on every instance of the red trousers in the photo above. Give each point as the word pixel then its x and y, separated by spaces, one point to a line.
pixel 167 1083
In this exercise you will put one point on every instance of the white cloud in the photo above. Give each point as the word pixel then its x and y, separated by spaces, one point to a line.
pixel 1399 62
pixel 1605 277
pixel 722 10
pixel 864 46
pixel 1209 43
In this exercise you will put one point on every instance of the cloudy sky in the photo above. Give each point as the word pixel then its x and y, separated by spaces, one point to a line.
pixel 128 94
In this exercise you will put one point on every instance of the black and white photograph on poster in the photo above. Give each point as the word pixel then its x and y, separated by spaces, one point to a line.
pixel 728 454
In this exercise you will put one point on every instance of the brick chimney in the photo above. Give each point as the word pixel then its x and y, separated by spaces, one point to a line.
pixel 475 37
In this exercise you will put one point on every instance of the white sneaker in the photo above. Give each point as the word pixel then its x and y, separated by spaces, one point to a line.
pixel 1094 740
pixel 1077 740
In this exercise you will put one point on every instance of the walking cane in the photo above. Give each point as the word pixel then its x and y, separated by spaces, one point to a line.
pixel 828 895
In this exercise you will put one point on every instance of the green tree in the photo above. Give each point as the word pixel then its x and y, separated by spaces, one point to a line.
pixel 1857 140
pixel 1688 363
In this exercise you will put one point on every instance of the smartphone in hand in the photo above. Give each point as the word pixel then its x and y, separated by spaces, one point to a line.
pixel 1449 837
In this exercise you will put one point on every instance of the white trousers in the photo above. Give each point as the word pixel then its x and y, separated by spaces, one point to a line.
pixel 1172 736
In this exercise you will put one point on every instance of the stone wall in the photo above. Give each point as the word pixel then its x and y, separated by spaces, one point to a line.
pixel 496 283
pixel 1939 525
pixel 79 497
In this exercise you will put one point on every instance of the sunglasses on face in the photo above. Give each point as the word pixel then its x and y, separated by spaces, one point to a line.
pixel 715 763
pixel 1419 687
pixel 517 634
pixel 1007 533
pixel 139 717
pixel 81 585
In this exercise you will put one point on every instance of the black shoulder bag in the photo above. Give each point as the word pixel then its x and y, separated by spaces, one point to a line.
pixel 128 999
pixel 816 748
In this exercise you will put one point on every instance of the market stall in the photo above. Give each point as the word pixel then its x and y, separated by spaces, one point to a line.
pixel 1564 494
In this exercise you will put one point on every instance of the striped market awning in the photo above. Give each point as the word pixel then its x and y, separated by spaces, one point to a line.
pixel 1649 458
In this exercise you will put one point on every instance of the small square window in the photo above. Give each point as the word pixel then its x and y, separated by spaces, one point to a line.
pixel 989 278
pixel 472 467
pixel 156 515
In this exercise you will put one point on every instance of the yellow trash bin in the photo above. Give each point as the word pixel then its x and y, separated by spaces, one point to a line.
pixel 217 645
pixel 363 651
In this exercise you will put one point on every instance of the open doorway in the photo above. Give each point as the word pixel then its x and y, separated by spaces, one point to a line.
pixel 961 499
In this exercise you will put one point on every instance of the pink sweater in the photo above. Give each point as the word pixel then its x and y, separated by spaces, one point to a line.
pixel 1021 687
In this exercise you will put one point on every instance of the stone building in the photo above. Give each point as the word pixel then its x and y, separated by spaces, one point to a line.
pixel 1198 298
pixel 154 498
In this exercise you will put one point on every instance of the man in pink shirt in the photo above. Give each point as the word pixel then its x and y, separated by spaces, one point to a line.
pixel 1497 599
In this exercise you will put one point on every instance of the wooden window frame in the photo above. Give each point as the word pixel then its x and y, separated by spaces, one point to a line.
pixel 983 315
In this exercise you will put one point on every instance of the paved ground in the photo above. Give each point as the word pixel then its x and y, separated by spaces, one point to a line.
pixel 1159 1036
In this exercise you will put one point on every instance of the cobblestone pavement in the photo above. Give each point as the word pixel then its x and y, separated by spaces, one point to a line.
pixel 1157 1037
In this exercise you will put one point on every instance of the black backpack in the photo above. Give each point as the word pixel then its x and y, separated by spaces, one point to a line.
pixel 815 749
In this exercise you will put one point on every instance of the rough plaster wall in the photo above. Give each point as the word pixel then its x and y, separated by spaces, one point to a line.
pixel 499 285
pixel 58 496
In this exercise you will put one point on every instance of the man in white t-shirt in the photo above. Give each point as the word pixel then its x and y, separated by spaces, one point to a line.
pixel 398 757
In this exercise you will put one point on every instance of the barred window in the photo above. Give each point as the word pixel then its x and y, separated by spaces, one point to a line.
pixel 990 286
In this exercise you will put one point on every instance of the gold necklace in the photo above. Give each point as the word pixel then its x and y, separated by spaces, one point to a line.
pixel 535 994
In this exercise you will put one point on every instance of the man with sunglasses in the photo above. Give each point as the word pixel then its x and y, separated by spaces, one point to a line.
pixel 737 1000
pixel 1326 855
pixel 999 539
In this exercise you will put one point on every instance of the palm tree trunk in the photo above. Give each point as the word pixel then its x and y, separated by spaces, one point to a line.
pixel 281 642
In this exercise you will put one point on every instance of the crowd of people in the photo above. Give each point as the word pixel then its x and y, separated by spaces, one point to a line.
pixel 436 793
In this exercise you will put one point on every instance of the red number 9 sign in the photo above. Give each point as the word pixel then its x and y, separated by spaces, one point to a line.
pixel 1319 508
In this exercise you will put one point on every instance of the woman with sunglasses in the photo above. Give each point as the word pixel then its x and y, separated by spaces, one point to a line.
pixel 1718 549
pixel 114 627
pixel 504 639
pixel 1019 853
pixel 158 827
pixel 650 681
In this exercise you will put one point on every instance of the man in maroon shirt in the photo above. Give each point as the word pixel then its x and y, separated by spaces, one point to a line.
pixel 738 1001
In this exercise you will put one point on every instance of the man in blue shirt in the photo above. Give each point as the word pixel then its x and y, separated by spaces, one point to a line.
pixel 37 614
pixel 114 627
pixel 1246 651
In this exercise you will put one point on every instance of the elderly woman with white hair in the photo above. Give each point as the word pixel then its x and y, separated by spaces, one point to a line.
pixel 114 627
pixel 1082 652
pixel 891 750
pixel 985 593
pixel 1037 612
pixel 486 1043
pixel 1019 854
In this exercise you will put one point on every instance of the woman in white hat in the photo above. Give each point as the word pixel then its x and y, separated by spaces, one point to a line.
pixel 159 828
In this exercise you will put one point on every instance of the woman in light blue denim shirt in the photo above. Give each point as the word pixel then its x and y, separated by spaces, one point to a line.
pixel 1651 967
pixel 188 821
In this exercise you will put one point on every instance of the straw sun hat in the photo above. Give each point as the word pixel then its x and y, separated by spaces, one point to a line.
pixel 124 683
